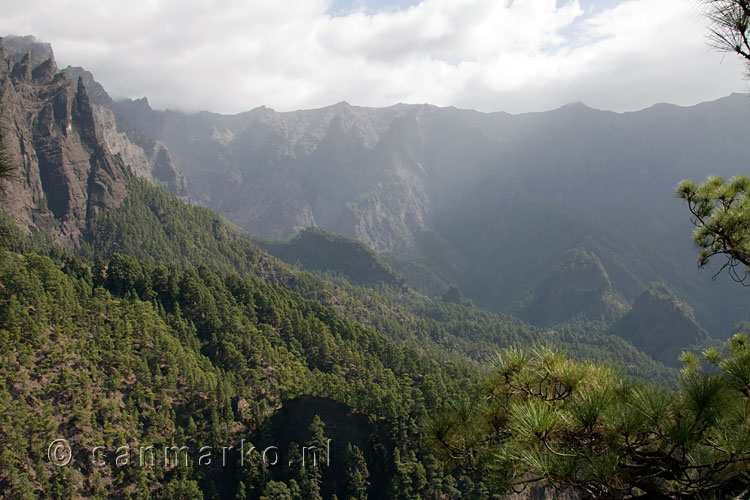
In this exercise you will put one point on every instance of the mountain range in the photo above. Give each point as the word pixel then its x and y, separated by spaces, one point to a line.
pixel 490 202
pixel 169 277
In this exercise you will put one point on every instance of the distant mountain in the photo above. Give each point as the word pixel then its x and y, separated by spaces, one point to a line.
pixel 76 189
pixel 579 290
pixel 661 325
pixel 337 256
pixel 490 201
pixel 161 324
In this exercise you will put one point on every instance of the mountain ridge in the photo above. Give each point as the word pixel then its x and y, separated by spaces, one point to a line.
pixel 390 176
pixel 431 186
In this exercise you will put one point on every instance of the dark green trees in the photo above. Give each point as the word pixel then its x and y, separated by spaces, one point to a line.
pixel 356 474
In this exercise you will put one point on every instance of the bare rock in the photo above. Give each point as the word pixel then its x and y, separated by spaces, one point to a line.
pixel 66 174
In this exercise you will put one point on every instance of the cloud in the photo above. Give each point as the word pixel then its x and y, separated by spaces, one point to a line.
pixel 489 55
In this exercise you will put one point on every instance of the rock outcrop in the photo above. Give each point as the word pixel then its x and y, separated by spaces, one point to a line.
pixel 97 94
pixel 66 174
pixel 147 157
pixel 18 47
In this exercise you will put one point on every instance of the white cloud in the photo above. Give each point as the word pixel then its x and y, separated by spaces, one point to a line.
pixel 289 54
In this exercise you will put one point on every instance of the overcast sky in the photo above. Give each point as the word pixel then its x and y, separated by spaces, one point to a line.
pixel 490 55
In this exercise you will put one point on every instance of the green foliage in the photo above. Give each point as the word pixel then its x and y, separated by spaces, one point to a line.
pixel 276 491
pixel 155 226
pixel 544 419
pixel 314 249
pixel 356 474
pixel 130 352
pixel 721 214
pixel 170 327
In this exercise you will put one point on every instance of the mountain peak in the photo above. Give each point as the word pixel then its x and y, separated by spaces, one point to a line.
pixel 96 92
pixel 45 72
pixel 19 47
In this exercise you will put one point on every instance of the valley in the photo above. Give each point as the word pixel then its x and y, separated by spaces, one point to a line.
pixel 435 296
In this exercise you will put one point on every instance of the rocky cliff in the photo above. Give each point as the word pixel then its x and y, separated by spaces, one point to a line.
pixel 17 47
pixel 276 173
pixel 147 157
pixel 66 173
pixel 73 157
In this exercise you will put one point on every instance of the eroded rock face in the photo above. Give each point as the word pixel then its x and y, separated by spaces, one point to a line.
pixel 66 175
pixel 147 157
pixel 97 94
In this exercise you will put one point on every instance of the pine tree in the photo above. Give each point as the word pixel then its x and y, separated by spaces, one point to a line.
pixel 241 494
pixel 276 490
pixel 356 474
pixel 315 459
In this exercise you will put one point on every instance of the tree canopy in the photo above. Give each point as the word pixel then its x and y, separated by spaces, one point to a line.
pixel 545 420
pixel 721 213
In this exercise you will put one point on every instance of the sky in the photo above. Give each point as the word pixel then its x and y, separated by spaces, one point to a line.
pixel 230 56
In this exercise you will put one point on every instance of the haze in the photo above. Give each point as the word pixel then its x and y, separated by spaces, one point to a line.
pixel 489 55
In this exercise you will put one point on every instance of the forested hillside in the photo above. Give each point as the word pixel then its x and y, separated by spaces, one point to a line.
pixel 150 348
pixel 180 326
pixel 155 226
pixel 453 197
pixel 129 353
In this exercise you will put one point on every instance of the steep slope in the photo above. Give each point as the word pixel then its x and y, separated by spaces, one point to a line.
pixel 19 46
pixel 135 355
pixel 155 228
pixel 169 327
pixel 147 157
pixel 170 353
pixel 661 324
pixel 490 202
pixel 69 176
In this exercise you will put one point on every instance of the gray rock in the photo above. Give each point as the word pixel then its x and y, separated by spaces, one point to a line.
pixel 67 175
